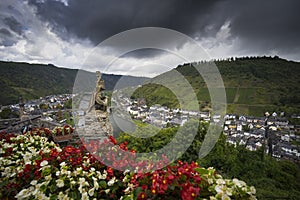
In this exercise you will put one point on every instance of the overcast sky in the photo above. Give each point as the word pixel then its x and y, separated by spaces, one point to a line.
pixel 64 32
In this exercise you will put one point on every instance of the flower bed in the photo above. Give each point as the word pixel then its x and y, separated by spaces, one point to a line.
pixel 33 168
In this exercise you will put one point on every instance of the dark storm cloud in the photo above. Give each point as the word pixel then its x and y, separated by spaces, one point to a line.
pixel 266 25
pixel 5 32
pixel 7 38
pixel 144 53
pixel 259 25
pixel 13 24
pixel 99 19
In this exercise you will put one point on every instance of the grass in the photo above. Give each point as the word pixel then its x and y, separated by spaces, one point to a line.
pixel 230 94
pixel 246 95
pixel 204 95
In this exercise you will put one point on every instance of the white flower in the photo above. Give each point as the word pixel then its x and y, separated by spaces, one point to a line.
pixel 238 182
pixel 60 183
pixel 91 192
pixel 220 181
pixel 57 173
pixel 23 194
pixel 60 195
pixel 44 163
pixel 102 176
pixel 48 178
pixel 13 174
pixel 78 171
pixel 57 148
pixel 63 171
pixel 225 197
pixel 62 164
pixel 72 182
pixel 229 191
pixel 46 150
pixel 7 170
pixel 111 181
pixel 80 189
pixel 252 190
pixel 127 190
pixel 42 196
pixel 125 179
pixel 83 182
pixel 219 189
pixel 107 191
pixel 34 182
pixel 66 197
pixel 210 181
pixel 96 185
pixel 84 196
pixel 69 173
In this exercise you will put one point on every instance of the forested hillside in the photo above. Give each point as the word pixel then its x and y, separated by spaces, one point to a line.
pixel 253 85
pixel 35 80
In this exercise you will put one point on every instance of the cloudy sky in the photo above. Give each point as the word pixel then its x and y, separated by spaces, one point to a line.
pixel 65 32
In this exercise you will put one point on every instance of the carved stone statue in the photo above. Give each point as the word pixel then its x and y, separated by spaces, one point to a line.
pixel 21 104
pixel 22 114
pixel 100 103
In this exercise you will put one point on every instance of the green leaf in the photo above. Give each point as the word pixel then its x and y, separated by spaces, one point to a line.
pixel 43 188
pixel 46 172
pixel 74 194
pixel 129 197
pixel 53 197
pixel 53 188
pixel 201 171
pixel 102 184
pixel 137 191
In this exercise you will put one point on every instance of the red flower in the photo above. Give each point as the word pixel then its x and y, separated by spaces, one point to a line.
pixel 144 187
pixel 171 177
pixel 54 153
pixel 153 190
pixel 142 195
pixel 163 186
pixel 189 192
pixel 69 149
pixel 113 140
pixel 58 132
pixel 110 171
pixel 132 151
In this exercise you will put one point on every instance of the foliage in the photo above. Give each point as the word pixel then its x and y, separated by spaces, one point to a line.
pixel 148 138
pixel 7 113
pixel 253 85
pixel 189 181
pixel 33 168
pixel 270 177
pixel 35 80
pixel 44 106
pixel 68 104
pixel 156 94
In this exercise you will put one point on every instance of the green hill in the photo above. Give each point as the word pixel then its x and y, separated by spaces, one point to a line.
pixel 36 80
pixel 253 85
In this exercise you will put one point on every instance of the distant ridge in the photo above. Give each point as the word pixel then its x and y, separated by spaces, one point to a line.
pixel 253 85
pixel 36 80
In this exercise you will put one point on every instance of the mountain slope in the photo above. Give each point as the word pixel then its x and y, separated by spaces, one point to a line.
pixel 35 80
pixel 253 85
